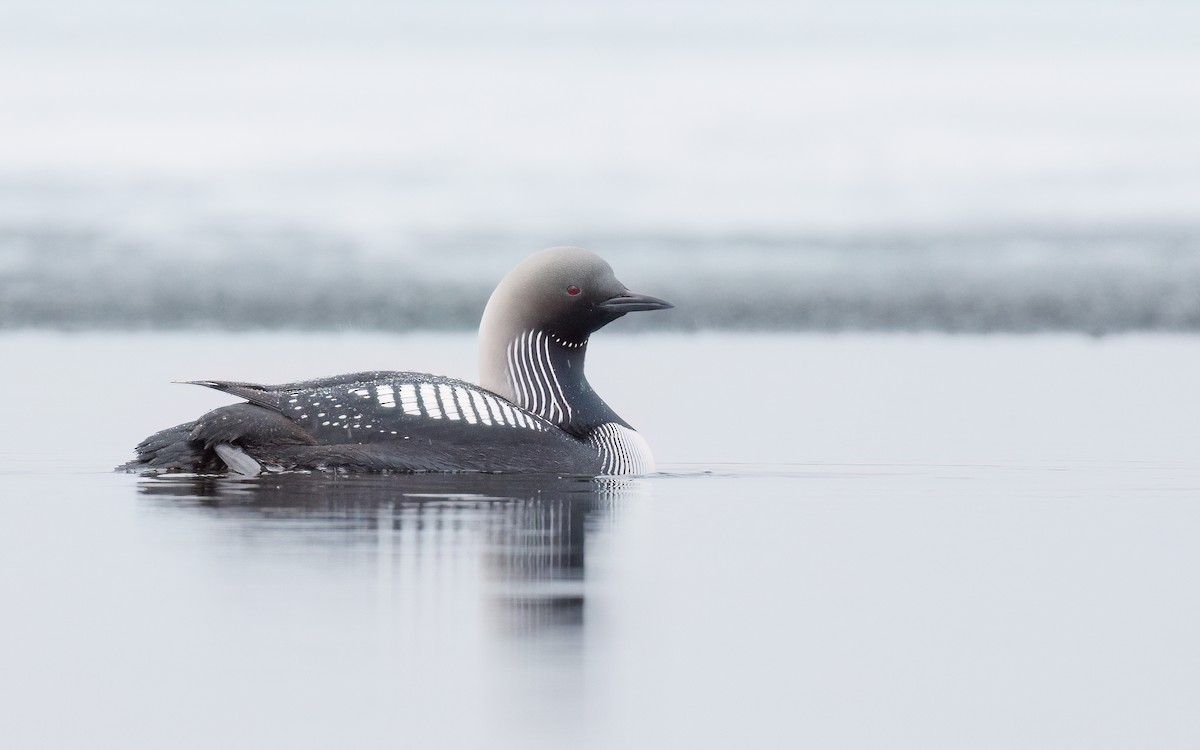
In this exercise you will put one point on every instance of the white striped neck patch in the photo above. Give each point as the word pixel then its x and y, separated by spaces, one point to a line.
pixel 545 374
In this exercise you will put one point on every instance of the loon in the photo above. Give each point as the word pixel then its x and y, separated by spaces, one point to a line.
pixel 533 410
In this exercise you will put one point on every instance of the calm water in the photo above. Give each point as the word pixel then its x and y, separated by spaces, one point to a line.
pixel 931 542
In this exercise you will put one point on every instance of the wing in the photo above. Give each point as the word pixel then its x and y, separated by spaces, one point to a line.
pixel 400 421
pixel 381 406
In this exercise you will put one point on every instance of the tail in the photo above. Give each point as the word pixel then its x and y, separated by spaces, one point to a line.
pixel 218 441
pixel 174 449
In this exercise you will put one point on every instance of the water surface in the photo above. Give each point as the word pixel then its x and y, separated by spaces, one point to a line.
pixel 944 544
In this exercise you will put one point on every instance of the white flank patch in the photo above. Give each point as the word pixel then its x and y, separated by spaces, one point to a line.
pixel 624 451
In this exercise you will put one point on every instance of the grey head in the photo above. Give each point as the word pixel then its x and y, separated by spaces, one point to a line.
pixel 535 329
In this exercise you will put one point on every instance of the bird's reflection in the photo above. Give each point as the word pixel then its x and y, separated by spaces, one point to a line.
pixel 531 531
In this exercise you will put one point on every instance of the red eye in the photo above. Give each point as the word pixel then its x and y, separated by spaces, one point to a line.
pixel 572 290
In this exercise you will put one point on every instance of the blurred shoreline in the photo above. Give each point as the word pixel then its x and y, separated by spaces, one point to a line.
pixel 867 165
pixel 1097 281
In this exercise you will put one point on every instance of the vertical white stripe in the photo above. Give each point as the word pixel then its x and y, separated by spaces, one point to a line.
pixel 494 407
pixel 520 391
pixel 549 406
pixel 535 401
pixel 621 462
pixel 521 418
pixel 461 395
pixel 543 378
pixel 508 412
pixel 528 381
pixel 528 377
pixel 481 407
pixel 552 410
pixel 621 450
pixel 409 400
pixel 386 395
pixel 525 396
pixel 533 375
pixel 561 399
pixel 448 405
pixel 429 400
pixel 514 374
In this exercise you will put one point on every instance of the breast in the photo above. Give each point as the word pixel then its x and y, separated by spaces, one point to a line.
pixel 622 450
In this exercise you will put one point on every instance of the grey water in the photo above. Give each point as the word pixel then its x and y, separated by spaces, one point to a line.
pixel 927 541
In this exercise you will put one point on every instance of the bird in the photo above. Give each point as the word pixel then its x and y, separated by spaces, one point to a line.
pixel 533 410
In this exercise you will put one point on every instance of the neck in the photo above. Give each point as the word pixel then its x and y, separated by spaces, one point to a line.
pixel 544 375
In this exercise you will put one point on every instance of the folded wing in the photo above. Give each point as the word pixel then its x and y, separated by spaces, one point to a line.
pixel 369 421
